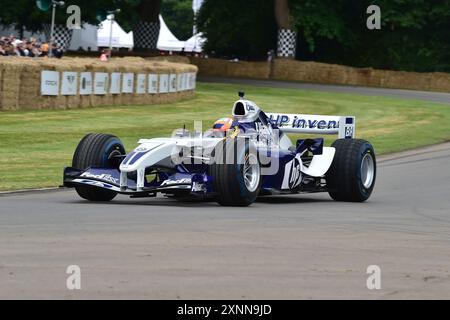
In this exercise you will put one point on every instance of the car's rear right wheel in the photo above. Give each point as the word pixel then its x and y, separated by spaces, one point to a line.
pixel 353 172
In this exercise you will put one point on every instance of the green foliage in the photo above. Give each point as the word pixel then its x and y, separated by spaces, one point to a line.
pixel 179 17
pixel 246 29
pixel 24 13
pixel 415 34
pixel 321 19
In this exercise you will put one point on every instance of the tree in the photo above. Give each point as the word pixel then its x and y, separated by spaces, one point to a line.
pixel 146 29
pixel 414 35
pixel 179 16
pixel 287 36
pixel 148 10
pixel 25 14
pixel 235 28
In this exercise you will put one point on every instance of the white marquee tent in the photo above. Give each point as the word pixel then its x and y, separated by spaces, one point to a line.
pixel 167 41
pixel 195 43
pixel 120 39
pixel 196 5
pixel 91 36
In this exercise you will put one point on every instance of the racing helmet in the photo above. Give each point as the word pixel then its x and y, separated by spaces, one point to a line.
pixel 223 124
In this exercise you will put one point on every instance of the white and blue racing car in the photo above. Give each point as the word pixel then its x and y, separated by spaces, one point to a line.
pixel 239 159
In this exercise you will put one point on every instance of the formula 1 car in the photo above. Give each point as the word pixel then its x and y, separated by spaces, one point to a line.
pixel 252 157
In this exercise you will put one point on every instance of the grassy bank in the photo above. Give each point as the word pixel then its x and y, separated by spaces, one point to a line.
pixel 36 145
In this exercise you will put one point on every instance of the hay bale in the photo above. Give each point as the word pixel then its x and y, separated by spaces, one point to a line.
pixel 239 69
pixel 175 59
pixel 1 87
pixel 292 70
pixel 86 100
pixel 59 101
pixel 20 80
pixel 73 101
pixel 11 86
pixel 210 67
pixel 30 88
pixel 106 99
pixel 440 82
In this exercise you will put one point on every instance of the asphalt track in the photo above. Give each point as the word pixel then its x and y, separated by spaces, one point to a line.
pixel 439 97
pixel 290 247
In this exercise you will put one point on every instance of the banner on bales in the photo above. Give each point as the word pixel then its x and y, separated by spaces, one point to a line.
pixel 54 83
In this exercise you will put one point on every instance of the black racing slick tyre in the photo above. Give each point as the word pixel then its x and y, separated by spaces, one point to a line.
pixel 352 174
pixel 97 150
pixel 236 173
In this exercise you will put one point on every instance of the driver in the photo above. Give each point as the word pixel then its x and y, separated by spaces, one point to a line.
pixel 223 124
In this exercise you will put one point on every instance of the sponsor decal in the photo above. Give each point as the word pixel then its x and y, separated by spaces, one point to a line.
pixel 179 181
pixel 348 132
pixel 173 83
pixel 69 84
pixel 127 82
pixel 292 173
pixel 100 83
pixel 85 83
pixel 153 83
pixel 249 107
pixel 141 87
pixel 303 123
pixel 103 177
pixel 115 87
pixel 163 83
pixel 49 83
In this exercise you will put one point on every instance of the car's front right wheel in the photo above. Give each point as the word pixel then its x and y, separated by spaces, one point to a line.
pixel 236 173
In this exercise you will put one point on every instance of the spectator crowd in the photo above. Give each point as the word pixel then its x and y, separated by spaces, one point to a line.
pixel 11 46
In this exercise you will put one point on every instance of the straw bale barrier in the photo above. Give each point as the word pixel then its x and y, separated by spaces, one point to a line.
pixel 238 69
pixel 169 58
pixel 20 82
pixel 292 70
pixel 313 72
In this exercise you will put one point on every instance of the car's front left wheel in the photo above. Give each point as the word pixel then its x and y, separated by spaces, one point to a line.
pixel 97 150
pixel 236 173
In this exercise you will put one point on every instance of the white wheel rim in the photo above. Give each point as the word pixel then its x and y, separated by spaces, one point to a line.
pixel 251 173
pixel 367 170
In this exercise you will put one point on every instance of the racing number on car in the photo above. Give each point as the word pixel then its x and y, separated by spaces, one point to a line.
pixel 348 132
pixel 292 173
pixel 295 174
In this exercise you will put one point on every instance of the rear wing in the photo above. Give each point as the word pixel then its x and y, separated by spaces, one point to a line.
pixel 344 127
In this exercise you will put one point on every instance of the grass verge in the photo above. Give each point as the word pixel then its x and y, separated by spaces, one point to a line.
pixel 36 145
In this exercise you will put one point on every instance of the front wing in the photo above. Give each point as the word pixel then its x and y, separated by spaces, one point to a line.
pixel 110 179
